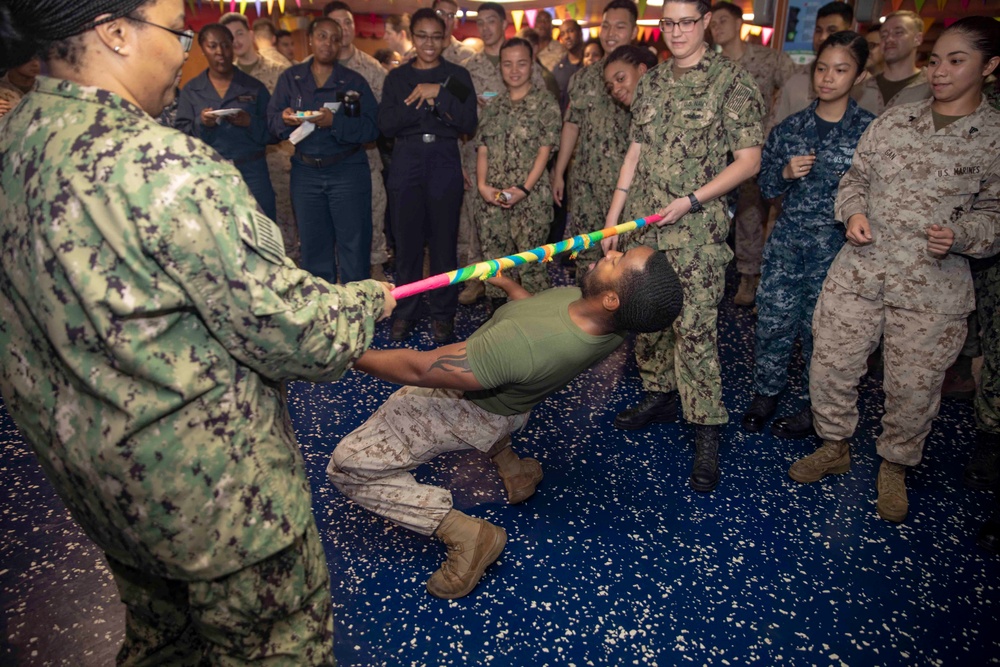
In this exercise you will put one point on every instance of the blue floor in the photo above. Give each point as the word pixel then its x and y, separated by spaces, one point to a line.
pixel 615 561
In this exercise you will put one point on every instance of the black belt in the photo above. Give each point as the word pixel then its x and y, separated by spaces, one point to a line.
pixel 327 161
pixel 249 158
pixel 422 138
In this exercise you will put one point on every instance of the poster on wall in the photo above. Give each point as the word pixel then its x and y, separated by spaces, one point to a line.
pixel 799 29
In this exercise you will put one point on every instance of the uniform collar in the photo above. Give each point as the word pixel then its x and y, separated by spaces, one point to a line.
pixel 70 90
pixel 700 74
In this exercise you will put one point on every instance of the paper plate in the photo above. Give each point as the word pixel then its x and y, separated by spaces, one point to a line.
pixel 309 115
pixel 219 113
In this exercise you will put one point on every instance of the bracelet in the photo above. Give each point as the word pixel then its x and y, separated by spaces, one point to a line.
pixel 625 190
pixel 523 189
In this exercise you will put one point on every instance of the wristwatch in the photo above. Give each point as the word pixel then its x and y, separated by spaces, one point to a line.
pixel 695 204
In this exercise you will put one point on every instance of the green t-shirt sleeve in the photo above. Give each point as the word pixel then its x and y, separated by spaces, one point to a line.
pixel 500 355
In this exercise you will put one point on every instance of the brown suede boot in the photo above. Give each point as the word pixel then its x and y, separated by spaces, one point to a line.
pixel 473 545
pixel 472 292
pixel 892 504
pixel 520 476
pixel 746 294
pixel 832 458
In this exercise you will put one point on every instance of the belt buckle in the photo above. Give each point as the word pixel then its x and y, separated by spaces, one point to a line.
pixel 428 138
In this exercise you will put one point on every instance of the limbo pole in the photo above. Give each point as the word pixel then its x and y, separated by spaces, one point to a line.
pixel 545 253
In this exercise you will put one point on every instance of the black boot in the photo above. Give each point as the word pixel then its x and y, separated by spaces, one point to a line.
pixel 658 406
pixel 989 534
pixel 795 427
pixel 759 413
pixel 983 471
pixel 705 473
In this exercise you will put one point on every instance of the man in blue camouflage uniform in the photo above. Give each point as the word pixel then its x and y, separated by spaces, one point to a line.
pixel 148 320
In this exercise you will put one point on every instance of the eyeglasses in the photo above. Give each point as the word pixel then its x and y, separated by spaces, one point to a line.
pixel 447 16
pixel 424 37
pixel 686 25
pixel 185 36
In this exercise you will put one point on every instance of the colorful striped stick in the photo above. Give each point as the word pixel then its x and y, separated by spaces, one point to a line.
pixel 545 253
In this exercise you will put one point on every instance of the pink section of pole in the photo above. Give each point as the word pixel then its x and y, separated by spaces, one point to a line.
pixel 425 285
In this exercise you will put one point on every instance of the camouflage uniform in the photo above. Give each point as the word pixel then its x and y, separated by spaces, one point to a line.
pixel 987 285
pixel 769 69
pixel 905 177
pixel 805 240
pixel 276 56
pixel 869 96
pixel 374 74
pixel 687 128
pixel 513 132
pixel 279 163
pixel 371 464
pixel 550 56
pixel 597 157
pixel 9 92
pixel 455 52
pixel 148 317
pixel 486 77
pixel 795 95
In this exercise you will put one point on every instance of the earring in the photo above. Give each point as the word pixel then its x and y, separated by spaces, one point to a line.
pixel 117 49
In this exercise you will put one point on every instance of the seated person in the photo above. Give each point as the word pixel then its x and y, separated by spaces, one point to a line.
pixel 473 395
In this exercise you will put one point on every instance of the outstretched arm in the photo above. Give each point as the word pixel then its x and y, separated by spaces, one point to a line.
pixel 442 368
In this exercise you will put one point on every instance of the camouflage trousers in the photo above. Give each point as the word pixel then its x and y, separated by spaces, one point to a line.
pixel 794 267
pixel 750 222
pixel 918 347
pixel 588 209
pixel 469 249
pixel 509 231
pixel 276 612
pixel 988 308
pixel 380 249
pixel 686 356
pixel 371 465
pixel 279 165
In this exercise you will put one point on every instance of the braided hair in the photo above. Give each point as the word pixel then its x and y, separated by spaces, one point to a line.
pixel 45 28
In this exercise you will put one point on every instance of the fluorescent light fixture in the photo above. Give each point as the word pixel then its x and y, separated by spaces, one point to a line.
pixel 748 17
pixel 648 22
pixel 471 13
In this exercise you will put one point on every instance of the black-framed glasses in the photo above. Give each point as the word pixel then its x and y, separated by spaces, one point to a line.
pixel 185 36
pixel 686 25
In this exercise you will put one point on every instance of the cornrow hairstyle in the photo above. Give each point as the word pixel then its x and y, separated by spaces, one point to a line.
pixel 650 299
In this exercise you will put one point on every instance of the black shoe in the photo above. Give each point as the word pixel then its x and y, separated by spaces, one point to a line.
pixel 705 473
pixel 989 534
pixel 795 427
pixel 658 407
pixel 759 413
pixel 441 331
pixel 982 471
pixel 401 329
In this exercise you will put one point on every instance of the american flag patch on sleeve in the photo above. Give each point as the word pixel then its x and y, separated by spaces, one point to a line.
pixel 739 99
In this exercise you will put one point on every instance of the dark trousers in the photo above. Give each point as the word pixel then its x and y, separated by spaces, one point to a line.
pixel 257 178
pixel 425 197
pixel 333 208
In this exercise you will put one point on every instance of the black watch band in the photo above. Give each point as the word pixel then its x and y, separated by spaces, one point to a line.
pixel 695 204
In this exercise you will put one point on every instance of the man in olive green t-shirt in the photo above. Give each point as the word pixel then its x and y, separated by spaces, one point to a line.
pixel 473 395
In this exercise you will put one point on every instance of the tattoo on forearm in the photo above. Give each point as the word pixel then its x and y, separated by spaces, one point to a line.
pixel 453 363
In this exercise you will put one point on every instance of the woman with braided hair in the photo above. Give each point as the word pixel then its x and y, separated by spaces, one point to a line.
pixel 149 320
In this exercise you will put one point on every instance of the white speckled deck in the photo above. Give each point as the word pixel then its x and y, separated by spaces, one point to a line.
pixel 615 561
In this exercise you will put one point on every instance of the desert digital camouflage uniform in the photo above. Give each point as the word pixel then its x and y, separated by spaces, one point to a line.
pixel 869 96
pixel 148 317
pixel 905 177
pixel 456 52
pixel 795 95
pixel 279 163
pixel 551 54
pixel 8 91
pixel 769 69
pixel 687 128
pixel 597 157
pixel 374 74
pixel 806 238
pixel 513 132
pixel 276 56
pixel 987 284
pixel 486 77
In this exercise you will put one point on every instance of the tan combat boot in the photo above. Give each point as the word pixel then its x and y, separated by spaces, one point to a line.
pixel 747 292
pixel 520 476
pixel 892 504
pixel 473 291
pixel 832 458
pixel 473 545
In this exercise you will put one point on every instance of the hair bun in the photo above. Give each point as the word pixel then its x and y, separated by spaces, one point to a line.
pixel 18 44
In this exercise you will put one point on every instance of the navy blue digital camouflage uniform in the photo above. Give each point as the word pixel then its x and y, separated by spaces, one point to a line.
pixel 805 239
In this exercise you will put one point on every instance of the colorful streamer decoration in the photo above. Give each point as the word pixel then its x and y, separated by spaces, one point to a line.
pixel 545 253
